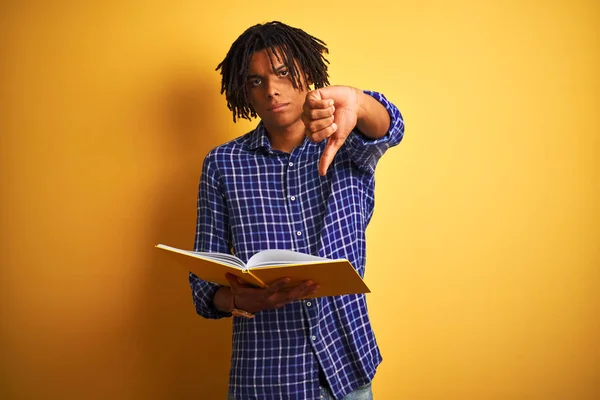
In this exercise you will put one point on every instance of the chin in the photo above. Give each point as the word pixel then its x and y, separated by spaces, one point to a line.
pixel 281 123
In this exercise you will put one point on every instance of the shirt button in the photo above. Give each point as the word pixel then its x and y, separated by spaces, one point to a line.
pixel 299 233
pixel 308 303
pixel 291 164
pixel 314 338
pixel 292 198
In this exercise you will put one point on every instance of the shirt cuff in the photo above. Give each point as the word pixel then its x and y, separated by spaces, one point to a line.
pixel 203 293
pixel 358 139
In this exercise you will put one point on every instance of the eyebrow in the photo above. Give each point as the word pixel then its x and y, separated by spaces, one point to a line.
pixel 276 70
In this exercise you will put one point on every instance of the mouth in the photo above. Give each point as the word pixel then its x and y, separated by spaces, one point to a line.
pixel 278 107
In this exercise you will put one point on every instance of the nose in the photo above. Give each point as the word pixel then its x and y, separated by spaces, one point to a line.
pixel 272 89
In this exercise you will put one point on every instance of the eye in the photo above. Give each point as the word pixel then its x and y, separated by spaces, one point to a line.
pixel 283 73
pixel 254 82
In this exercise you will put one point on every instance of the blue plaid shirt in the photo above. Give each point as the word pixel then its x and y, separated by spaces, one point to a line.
pixel 253 198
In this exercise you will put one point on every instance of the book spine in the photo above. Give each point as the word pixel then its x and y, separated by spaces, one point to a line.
pixel 257 279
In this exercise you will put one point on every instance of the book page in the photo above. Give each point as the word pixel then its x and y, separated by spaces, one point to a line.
pixel 268 258
pixel 222 258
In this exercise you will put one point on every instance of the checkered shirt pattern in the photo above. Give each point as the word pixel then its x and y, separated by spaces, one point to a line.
pixel 253 198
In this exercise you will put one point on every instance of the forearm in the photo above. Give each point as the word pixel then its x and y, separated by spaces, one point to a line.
pixel 385 131
pixel 373 118
pixel 203 294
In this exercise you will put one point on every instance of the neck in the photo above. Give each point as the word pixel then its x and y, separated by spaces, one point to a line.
pixel 288 138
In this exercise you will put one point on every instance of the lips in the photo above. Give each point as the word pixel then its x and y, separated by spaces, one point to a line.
pixel 278 107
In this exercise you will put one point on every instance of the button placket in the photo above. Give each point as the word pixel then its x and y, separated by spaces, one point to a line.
pixel 295 206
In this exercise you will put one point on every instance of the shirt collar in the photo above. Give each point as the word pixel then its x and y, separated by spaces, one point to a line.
pixel 259 139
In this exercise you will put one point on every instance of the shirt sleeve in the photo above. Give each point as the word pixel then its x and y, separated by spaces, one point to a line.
pixel 212 235
pixel 365 152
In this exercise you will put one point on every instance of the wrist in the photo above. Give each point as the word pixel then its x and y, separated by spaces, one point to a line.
pixel 361 112
pixel 221 299
pixel 235 311
pixel 231 301
pixel 373 119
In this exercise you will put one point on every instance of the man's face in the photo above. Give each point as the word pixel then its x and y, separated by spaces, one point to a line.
pixel 271 93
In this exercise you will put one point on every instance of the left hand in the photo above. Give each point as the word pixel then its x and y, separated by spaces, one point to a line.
pixel 253 299
pixel 331 113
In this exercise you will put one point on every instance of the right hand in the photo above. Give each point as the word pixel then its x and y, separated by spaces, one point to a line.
pixel 252 299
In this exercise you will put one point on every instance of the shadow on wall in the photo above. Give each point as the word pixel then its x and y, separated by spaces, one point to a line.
pixel 183 355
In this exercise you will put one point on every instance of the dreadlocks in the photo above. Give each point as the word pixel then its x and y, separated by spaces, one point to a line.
pixel 300 52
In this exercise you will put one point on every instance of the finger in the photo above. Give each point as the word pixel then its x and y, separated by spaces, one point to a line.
pixel 322 134
pixel 318 113
pixel 277 285
pixel 234 283
pixel 232 279
pixel 313 290
pixel 237 282
pixel 286 294
pixel 314 126
pixel 310 290
pixel 300 290
pixel 308 120
pixel 331 149
pixel 315 101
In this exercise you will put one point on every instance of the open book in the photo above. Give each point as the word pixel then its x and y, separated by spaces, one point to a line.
pixel 335 277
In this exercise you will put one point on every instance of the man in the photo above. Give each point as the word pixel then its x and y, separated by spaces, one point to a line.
pixel 303 180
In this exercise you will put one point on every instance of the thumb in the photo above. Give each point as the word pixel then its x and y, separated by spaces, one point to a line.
pixel 331 149
pixel 233 280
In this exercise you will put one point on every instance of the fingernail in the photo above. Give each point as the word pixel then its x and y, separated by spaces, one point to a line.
pixel 334 126
pixel 331 103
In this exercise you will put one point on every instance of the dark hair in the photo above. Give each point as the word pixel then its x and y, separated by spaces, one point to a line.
pixel 301 53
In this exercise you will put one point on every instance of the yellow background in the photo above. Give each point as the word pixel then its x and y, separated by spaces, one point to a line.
pixel 483 254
